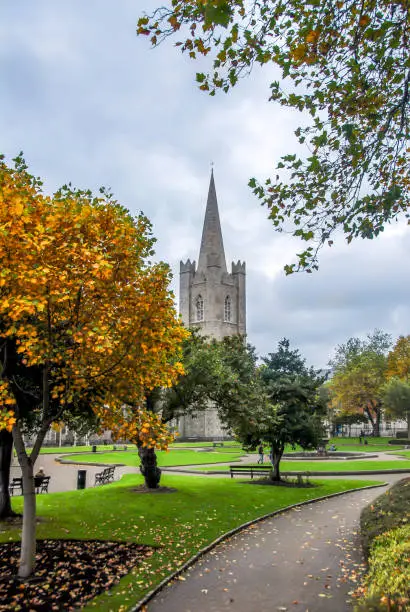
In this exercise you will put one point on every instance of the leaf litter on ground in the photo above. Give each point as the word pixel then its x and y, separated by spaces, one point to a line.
pixel 68 573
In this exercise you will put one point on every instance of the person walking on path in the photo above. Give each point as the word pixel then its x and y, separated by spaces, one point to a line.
pixel 260 451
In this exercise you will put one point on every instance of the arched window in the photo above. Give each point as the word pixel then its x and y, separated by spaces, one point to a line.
pixel 227 309
pixel 199 307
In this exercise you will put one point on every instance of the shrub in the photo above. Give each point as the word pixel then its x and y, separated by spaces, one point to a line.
pixel 389 569
pixel 390 510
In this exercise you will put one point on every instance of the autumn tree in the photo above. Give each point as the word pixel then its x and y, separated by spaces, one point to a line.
pixel 398 360
pixel 344 64
pixel 396 393
pixel 359 373
pixel 84 308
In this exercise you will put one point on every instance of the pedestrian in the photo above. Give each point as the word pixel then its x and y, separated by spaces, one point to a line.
pixel 361 436
pixel 260 451
pixel 39 477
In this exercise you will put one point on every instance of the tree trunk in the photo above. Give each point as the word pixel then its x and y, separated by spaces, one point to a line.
pixel 276 457
pixel 6 450
pixel 376 428
pixel 149 469
pixel 28 536
pixel 375 425
pixel 408 424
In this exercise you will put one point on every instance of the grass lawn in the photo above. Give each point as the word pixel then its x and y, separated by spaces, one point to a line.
pixel 373 444
pixel 332 466
pixel 402 453
pixel 52 450
pixel 165 459
pixel 180 523
pixel 348 444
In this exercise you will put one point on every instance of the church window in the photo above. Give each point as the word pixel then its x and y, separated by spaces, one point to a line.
pixel 199 304
pixel 227 309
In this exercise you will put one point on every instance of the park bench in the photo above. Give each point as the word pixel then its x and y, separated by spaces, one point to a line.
pixel 214 444
pixel 16 486
pixel 261 470
pixel 40 484
pixel 249 470
pixel 106 476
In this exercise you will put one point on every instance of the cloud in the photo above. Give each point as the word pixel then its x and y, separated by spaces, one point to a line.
pixel 91 103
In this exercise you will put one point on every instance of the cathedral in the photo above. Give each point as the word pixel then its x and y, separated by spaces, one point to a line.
pixel 212 300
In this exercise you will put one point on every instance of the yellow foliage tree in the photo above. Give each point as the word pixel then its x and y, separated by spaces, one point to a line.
pixel 82 306
pixel 398 360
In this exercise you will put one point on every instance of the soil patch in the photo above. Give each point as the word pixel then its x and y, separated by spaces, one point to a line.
pixel 68 573
pixel 281 483
pixel 144 489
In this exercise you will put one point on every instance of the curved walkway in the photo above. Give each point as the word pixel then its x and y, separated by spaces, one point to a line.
pixel 304 560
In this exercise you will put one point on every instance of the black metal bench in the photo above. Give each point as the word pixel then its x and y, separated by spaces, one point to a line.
pixel 16 486
pixel 249 470
pixel 261 470
pixel 105 477
pixel 40 484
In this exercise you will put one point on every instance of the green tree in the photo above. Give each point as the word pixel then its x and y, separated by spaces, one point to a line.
pixel 396 400
pixel 287 420
pixel 359 373
pixel 216 372
pixel 289 409
pixel 347 66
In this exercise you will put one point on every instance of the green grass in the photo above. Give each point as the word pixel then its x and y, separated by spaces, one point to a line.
pixel 332 466
pixel 348 444
pixel 352 444
pixel 52 450
pixel 401 453
pixel 165 459
pixel 180 523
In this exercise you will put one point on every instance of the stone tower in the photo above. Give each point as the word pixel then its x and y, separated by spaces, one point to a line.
pixel 213 300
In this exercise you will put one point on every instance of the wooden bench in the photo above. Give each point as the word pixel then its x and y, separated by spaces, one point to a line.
pixel 105 477
pixel 262 470
pixel 214 444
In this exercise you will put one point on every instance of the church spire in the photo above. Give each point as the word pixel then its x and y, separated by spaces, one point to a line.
pixel 212 252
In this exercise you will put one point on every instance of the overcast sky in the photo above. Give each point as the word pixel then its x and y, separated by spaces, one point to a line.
pixel 89 102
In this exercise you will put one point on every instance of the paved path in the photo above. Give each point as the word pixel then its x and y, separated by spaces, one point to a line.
pixel 64 475
pixel 304 560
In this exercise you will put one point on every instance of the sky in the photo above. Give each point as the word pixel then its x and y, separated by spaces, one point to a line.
pixel 89 102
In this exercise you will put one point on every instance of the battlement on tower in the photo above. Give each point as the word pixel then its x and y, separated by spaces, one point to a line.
pixel 239 267
pixel 188 266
